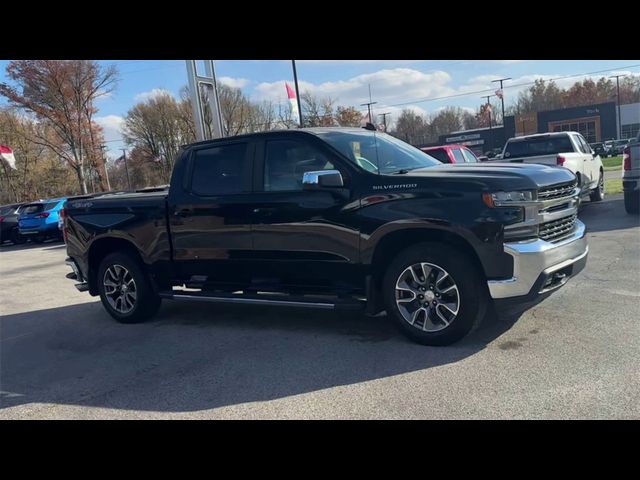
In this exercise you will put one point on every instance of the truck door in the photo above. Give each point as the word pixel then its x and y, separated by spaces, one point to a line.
pixel 302 237
pixel 588 160
pixel 210 216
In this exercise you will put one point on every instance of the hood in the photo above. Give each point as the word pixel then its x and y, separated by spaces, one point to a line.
pixel 515 176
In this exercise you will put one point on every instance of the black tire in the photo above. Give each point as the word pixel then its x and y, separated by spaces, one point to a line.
pixel 16 238
pixel 597 195
pixel 632 202
pixel 472 292
pixel 147 302
pixel 38 239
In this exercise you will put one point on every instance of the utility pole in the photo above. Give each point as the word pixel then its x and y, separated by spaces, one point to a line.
pixel 126 168
pixel 368 105
pixel 295 81
pixel 104 163
pixel 489 103
pixel 384 119
pixel 617 77
pixel 502 94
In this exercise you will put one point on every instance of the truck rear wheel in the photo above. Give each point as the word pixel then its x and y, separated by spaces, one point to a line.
pixel 125 289
pixel 632 202
pixel 434 294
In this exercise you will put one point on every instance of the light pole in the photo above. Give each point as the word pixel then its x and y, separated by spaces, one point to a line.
pixel 488 103
pixel 295 81
pixel 501 94
pixel 617 77
pixel 126 168
pixel 384 119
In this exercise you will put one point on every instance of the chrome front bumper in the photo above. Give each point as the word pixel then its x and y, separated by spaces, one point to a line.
pixel 536 261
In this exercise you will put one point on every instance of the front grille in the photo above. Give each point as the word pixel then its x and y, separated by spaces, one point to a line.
pixel 557 229
pixel 556 191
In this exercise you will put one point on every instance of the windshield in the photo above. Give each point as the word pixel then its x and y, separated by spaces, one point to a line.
pixel 538 146
pixel 377 152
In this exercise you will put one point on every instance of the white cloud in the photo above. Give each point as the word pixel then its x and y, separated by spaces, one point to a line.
pixel 156 92
pixel 234 82
pixel 386 86
pixel 111 126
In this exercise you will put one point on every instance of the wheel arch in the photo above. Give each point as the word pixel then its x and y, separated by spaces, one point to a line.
pixel 102 247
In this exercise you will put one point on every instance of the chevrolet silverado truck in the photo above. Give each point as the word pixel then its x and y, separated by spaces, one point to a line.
pixel 565 149
pixel 293 218
pixel 631 176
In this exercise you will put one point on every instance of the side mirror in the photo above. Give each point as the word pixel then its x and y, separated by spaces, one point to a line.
pixel 322 179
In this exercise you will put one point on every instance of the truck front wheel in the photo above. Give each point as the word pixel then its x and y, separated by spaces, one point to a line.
pixel 125 289
pixel 598 193
pixel 434 294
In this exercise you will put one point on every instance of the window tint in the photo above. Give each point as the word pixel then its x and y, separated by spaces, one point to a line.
pixel 6 210
pixel 439 154
pixel 531 147
pixel 287 160
pixel 50 205
pixel 469 156
pixel 220 170
pixel 457 155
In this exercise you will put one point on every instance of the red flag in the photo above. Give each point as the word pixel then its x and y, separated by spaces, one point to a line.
pixel 7 154
pixel 290 92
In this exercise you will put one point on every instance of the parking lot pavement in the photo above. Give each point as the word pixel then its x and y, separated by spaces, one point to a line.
pixel 573 356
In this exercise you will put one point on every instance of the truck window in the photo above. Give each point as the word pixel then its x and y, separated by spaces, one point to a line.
pixel 219 170
pixel 439 154
pixel 469 156
pixel 532 147
pixel 457 154
pixel 286 161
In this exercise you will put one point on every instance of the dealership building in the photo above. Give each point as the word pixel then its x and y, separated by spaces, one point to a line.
pixel 596 123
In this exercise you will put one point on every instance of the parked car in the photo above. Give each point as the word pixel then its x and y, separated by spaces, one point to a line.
pixel 618 146
pixel 602 149
pixel 451 154
pixel 564 149
pixel 631 176
pixel 9 224
pixel 290 218
pixel 38 221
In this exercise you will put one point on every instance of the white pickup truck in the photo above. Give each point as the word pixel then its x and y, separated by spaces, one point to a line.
pixel 565 149
pixel 631 176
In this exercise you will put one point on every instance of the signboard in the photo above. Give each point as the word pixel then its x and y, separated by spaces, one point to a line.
pixel 461 138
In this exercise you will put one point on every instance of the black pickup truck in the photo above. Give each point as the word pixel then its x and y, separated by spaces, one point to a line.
pixel 332 218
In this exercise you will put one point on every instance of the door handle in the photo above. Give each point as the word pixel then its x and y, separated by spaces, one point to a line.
pixel 183 212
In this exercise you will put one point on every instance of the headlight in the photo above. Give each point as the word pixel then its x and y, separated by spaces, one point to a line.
pixel 508 199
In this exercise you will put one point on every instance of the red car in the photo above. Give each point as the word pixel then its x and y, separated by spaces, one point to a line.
pixel 451 154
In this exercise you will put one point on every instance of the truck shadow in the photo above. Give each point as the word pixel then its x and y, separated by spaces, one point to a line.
pixel 198 356
pixel 607 215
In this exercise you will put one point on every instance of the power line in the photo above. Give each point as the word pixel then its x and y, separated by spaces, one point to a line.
pixel 509 86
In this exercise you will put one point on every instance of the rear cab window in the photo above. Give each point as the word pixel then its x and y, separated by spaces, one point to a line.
pixel 531 147
pixel 469 156
pixel 439 154
pixel 221 170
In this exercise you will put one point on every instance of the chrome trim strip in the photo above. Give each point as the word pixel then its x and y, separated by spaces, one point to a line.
pixel 250 301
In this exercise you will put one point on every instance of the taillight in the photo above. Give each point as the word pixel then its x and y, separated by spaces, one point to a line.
pixel 1 218
pixel 560 160
pixel 42 215
pixel 626 158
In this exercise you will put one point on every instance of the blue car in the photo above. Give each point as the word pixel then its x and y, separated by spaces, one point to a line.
pixel 38 221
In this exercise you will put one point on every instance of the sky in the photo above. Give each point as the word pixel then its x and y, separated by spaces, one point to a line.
pixel 395 84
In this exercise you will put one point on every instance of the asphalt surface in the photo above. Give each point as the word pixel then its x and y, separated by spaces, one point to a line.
pixel 573 356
